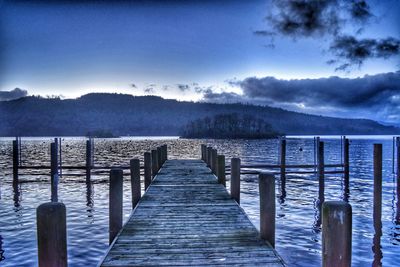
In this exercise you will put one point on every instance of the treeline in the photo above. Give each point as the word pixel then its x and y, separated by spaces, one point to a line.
pixel 232 126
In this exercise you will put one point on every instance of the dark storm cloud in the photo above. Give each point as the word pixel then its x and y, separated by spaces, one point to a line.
pixel 317 18
pixel 360 10
pixel 303 18
pixel 354 51
pixel 13 94
pixel 333 91
pixel 375 93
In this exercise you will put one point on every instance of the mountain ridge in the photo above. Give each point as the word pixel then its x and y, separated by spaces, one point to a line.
pixel 124 114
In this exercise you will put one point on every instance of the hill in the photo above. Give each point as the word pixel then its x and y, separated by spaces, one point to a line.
pixel 151 115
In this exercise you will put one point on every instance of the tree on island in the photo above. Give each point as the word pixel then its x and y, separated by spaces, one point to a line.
pixel 229 126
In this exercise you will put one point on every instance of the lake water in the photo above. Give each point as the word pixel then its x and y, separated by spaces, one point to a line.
pixel 298 235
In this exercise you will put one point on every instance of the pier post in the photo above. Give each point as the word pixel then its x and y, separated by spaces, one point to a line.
pixel 154 162
pixel 115 203
pixel 209 155
pixel 283 163
pixel 165 153
pixel 235 179
pixel 221 170
pixel 214 164
pixel 147 170
pixel 159 158
pixel 266 184
pixel 321 172
pixel 15 150
pixel 88 159
pixel 60 155
pixel 135 181
pixel 346 161
pixel 203 158
pixel 377 182
pixel 52 234
pixel 54 172
pixel 398 181
pixel 336 234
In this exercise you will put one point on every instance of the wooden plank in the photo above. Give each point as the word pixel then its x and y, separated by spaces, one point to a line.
pixel 186 218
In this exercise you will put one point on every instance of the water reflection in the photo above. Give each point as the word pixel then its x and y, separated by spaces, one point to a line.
pixel 317 216
pixel 376 248
pixel 396 209
pixel 346 190
pixel 16 197
pixel 398 202
pixel 89 201
pixel 282 195
pixel 1 249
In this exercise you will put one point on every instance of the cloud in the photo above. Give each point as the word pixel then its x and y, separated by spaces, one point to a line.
pixel 298 18
pixel 13 94
pixel 378 95
pixel 234 82
pixel 330 18
pixel 149 90
pixel 133 85
pixel 353 51
pixel 360 10
pixel 183 87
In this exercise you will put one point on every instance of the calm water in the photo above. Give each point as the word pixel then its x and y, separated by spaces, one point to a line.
pixel 298 237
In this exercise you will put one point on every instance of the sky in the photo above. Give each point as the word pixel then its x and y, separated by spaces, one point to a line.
pixel 216 51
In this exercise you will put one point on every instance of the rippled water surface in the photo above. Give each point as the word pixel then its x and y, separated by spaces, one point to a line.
pixel 298 236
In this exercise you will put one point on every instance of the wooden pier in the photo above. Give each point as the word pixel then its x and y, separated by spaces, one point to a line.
pixel 186 217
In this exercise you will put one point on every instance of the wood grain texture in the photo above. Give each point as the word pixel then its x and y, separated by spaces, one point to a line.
pixel 186 218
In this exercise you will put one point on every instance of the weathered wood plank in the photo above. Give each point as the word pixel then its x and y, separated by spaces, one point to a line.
pixel 186 218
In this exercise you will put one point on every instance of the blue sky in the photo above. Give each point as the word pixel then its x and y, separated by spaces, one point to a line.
pixel 86 46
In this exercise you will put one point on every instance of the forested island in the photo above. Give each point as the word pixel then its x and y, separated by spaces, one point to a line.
pixel 230 126
pixel 127 115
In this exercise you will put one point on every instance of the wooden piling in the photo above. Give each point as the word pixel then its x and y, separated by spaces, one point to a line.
pixel 377 213
pixel 54 172
pixel 147 170
pixel 214 158
pixel 115 203
pixel 88 159
pixel 52 234
pixel 321 172
pixel 235 179
pixel 209 155
pixel 159 158
pixel 221 170
pixel 162 154
pixel 202 152
pixel 398 181
pixel 283 163
pixel 165 153
pixel 60 156
pixel 154 163
pixel 346 161
pixel 266 184
pixel 135 181
pixel 336 234
pixel 15 150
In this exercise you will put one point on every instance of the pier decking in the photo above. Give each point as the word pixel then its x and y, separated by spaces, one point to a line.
pixel 187 218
